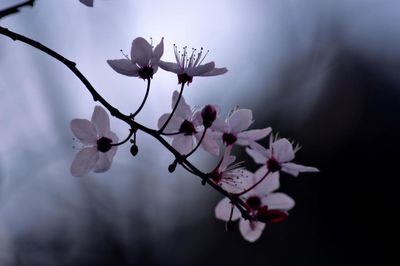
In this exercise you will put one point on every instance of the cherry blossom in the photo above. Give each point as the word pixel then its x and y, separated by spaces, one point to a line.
pixel 182 127
pixel 235 130
pixel 186 67
pixel 144 60
pixel 228 175
pixel 278 157
pixel 97 138
pixel 87 2
pixel 263 204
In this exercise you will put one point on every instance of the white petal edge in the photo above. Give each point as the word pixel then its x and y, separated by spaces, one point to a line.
pixel 294 169
pixel 215 72
pixel 240 120
pixel 251 232
pixel 101 121
pixel 278 201
pixel 223 210
pixel 84 161
pixel 84 130
pixel 124 67
pixel 282 150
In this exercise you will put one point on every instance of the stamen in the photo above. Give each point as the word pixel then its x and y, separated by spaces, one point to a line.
pixel 125 55
pixel 204 57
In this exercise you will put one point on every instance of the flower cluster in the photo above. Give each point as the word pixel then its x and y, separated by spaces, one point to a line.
pixel 250 197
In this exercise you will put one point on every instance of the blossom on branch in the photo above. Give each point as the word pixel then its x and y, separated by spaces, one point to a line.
pixel 278 157
pixel 228 175
pixel 98 140
pixel 186 67
pixel 263 204
pixel 235 131
pixel 144 60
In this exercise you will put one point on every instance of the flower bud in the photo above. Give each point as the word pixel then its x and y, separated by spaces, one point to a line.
pixel 209 114
pixel 172 167
pixel 134 150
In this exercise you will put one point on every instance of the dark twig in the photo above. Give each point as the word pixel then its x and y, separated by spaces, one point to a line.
pixel 15 9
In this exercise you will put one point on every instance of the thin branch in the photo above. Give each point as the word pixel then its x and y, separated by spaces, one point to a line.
pixel 15 9
pixel 144 100
pixel 173 110
pixel 237 201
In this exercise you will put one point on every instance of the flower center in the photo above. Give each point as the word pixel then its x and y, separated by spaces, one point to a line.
pixel 254 202
pixel 146 72
pixel 187 128
pixel 273 165
pixel 229 138
pixel 104 144
pixel 209 114
pixel 216 177
pixel 184 78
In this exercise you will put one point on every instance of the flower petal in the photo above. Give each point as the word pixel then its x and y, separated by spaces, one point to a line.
pixel 158 52
pixel 251 230
pixel 183 144
pixel 269 184
pixel 240 120
pixel 87 2
pixel 219 125
pixel 282 150
pixel 141 52
pixel 183 110
pixel 103 163
pixel 124 67
pixel 111 153
pixel 84 161
pixel 101 121
pixel 209 143
pixel 200 70
pixel 215 72
pixel 294 169
pixel 173 124
pixel 244 138
pixel 257 156
pixel 168 66
pixel 223 210
pixel 84 130
pixel 278 201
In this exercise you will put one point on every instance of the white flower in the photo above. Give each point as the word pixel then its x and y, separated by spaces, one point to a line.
pixel 264 206
pixel 277 157
pixel 228 175
pixel 87 2
pixel 183 126
pixel 143 62
pixel 96 136
pixel 235 131
pixel 186 67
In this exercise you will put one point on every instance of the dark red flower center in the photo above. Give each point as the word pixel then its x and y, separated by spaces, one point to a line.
pixel 184 78
pixel 216 177
pixel 271 216
pixel 273 165
pixel 254 202
pixel 187 128
pixel 146 72
pixel 208 114
pixel 229 138
pixel 104 144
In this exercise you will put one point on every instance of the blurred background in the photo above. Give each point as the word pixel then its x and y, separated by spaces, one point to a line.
pixel 324 73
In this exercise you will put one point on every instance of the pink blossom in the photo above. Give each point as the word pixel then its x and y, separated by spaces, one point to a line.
pixel 97 138
pixel 263 205
pixel 186 67
pixel 235 130
pixel 278 157
pixel 228 175
pixel 143 62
